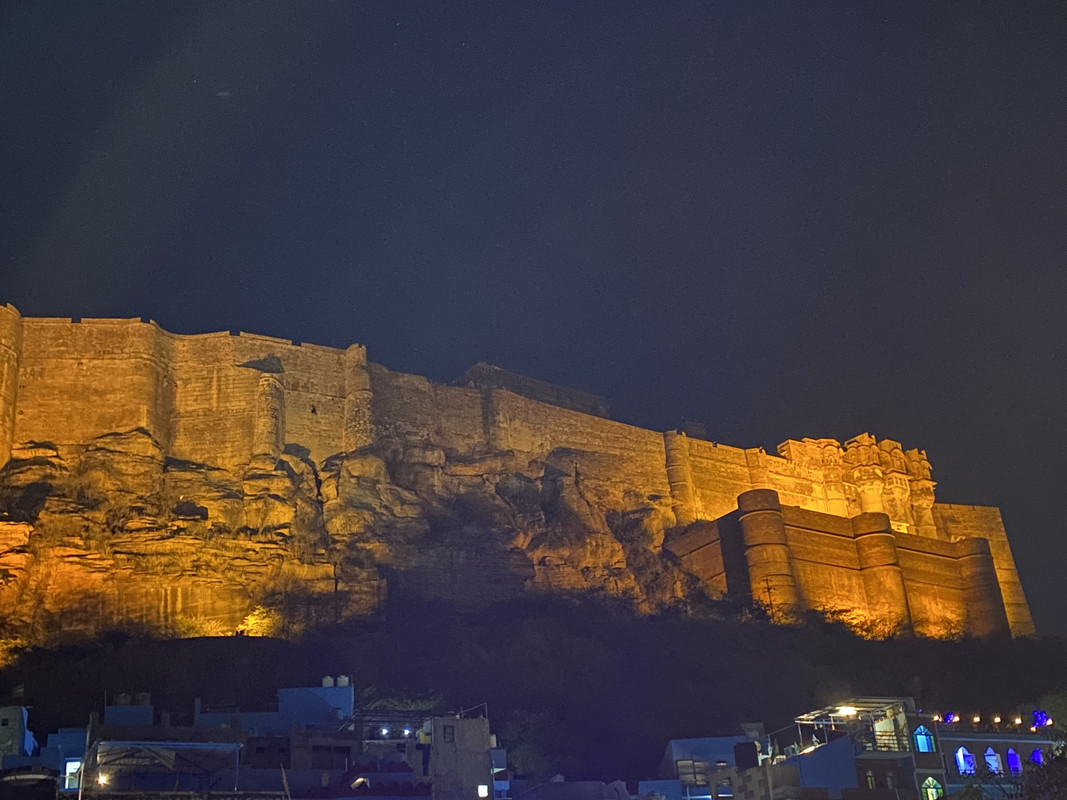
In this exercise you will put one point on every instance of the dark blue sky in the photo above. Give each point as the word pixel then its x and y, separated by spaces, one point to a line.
pixel 784 220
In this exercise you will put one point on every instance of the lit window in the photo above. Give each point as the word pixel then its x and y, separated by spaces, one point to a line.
pixel 70 774
pixel 992 761
pixel 932 790
pixel 483 790
pixel 870 779
pixel 1015 765
pixel 965 761
pixel 1037 756
pixel 924 740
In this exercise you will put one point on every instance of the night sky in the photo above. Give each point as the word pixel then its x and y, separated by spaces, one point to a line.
pixel 782 220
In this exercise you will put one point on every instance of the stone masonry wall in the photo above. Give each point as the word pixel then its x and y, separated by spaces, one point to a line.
pixel 585 498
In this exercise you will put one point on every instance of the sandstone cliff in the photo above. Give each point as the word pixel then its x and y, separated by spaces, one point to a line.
pixel 228 481
pixel 119 535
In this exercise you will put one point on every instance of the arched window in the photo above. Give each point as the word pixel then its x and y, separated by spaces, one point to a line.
pixel 932 790
pixel 870 779
pixel 992 761
pixel 924 740
pixel 965 761
pixel 1015 766
pixel 1037 756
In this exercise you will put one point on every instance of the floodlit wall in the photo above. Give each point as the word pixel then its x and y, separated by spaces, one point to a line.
pixel 859 569
pixel 201 397
pixel 223 398
pixel 984 522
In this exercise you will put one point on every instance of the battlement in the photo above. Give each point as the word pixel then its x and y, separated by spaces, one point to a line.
pixel 227 398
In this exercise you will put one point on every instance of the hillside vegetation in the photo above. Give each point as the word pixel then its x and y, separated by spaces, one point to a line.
pixel 583 688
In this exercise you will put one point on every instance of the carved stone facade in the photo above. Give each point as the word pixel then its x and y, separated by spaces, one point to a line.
pixel 311 465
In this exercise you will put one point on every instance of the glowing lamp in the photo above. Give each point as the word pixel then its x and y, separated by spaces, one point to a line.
pixel 977 719
pixel 1018 720
pixel 407 731
pixel 1048 721
pixel 847 711
pixel 483 790
pixel 996 720
pixel 102 779
pixel 385 731
pixel 937 717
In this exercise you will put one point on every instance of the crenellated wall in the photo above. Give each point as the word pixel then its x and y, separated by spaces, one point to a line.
pixel 819 523
pixel 10 359
pixel 203 398
pixel 791 560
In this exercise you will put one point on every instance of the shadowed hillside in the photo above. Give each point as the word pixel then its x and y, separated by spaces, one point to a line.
pixel 585 689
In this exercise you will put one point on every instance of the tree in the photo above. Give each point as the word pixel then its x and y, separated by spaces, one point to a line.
pixel 1048 781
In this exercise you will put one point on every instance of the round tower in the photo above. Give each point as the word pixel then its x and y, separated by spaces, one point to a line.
pixel 770 564
pixel 268 435
pixel 986 617
pixel 680 477
pixel 10 356
pixel 883 581
pixel 356 431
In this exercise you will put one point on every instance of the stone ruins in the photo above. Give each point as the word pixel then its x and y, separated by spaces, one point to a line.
pixel 185 484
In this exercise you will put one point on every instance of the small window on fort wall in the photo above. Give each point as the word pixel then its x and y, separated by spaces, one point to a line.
pixel 932 789
pixel 449 733
pixel 1015 765
pixel 965 761
pixel 1037 756
pixel 924 740
pixel 992 761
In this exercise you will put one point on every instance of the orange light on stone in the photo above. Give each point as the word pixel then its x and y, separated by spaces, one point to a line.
pixel 996 720
pixel 1018 720
pixel 976 719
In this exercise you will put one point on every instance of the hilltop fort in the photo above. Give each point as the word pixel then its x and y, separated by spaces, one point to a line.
pixel 191 483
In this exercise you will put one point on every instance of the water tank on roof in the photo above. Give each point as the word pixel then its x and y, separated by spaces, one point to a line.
pixel 327 680
pixel 342 680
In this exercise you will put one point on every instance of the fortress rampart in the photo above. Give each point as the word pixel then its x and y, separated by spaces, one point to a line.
pixel 820 524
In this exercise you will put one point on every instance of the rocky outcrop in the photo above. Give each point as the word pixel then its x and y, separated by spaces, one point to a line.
pixel 115 534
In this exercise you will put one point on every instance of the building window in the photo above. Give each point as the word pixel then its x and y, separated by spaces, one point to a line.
pixel 932 790
pixel 1037 756
pixel 692 772
pixel 965 761
pixel 71 774
pixel 924 740
pixel 870 779
pixel 1015 765
pixel 449 733
pixel 992 761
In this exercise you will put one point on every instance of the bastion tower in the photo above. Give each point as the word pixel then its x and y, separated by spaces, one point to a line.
pixel 166 477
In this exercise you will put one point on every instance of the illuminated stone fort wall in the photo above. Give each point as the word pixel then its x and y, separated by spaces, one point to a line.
pixel 853 527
